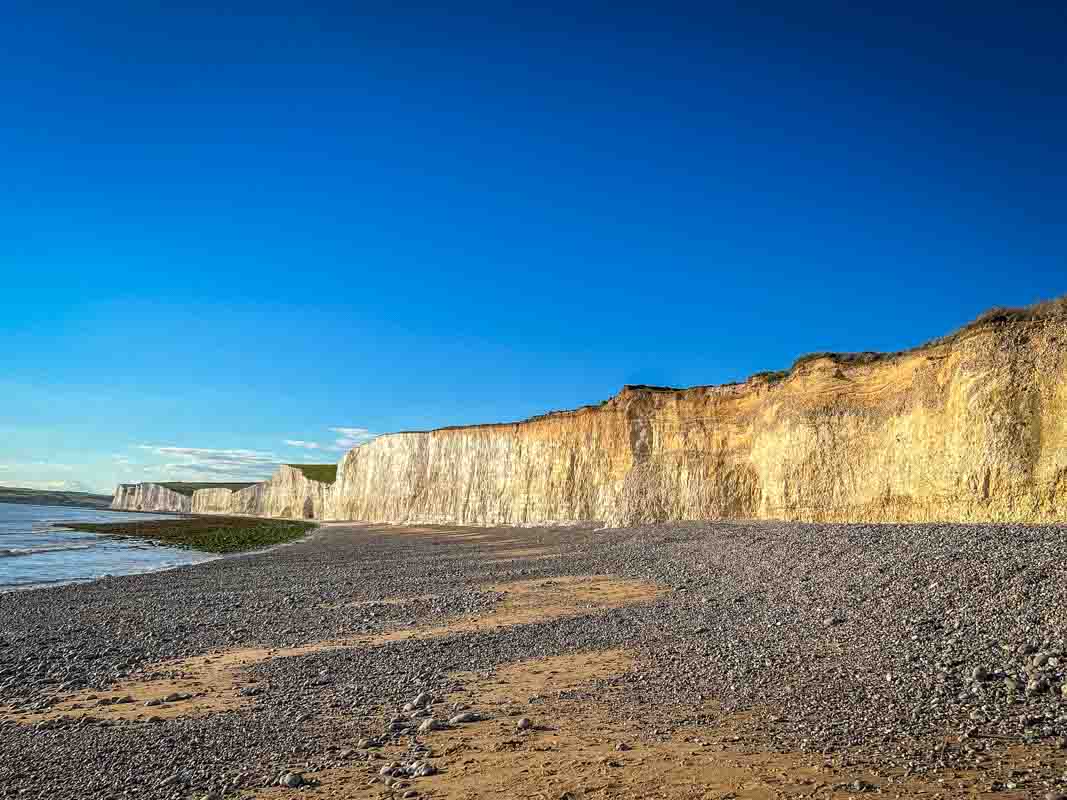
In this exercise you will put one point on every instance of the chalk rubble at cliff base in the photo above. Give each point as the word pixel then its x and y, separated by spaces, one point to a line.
pixel 873 652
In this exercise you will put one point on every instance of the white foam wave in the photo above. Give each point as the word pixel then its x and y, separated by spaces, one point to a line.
pixel 14 552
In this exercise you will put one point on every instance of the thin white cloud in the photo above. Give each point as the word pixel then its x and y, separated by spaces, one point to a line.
pixel 301 443
pixel 53 486
pixel 207 464
pixel 39 465
pixel 351 437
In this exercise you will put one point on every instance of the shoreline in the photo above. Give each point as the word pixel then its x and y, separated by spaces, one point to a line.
pixel 203 533
pixel 183 541
pixel 5 588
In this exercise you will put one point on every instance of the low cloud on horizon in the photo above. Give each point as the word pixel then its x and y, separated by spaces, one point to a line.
pixel 49 486
pixel 302 444
pixel 348 438
pixel 351 437
pixel 208 464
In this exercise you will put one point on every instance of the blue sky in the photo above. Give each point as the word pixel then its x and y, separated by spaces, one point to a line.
pixel 225 232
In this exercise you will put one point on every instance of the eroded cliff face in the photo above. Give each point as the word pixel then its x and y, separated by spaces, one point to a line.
pixel 974 429
pixel 149 497
pixel 287 494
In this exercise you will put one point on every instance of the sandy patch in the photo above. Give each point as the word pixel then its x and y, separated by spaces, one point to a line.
pixel 214 681
pixel 537 601
pixel 572 752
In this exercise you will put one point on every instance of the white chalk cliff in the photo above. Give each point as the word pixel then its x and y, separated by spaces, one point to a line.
pixel 973 428
pixel 150 497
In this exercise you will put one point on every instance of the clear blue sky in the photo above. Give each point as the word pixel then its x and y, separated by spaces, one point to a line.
pixel 224 230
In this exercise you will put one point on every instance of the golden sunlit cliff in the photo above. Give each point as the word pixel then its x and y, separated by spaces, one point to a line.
pixel 969 428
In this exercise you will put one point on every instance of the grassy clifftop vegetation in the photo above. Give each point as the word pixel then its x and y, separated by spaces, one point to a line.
pixel 1047 309
pixel 324 473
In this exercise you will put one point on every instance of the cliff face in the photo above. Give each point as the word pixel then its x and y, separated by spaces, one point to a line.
pixel 149 497
pixel 973 429
pixel 287 494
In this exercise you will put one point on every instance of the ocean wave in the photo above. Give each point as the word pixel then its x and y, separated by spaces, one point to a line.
pixel 14 552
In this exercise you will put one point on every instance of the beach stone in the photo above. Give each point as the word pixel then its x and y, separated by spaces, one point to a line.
pixel 524 724
pixel 1037 686
pixel 464 717
pixel 292 780
pixel 429 725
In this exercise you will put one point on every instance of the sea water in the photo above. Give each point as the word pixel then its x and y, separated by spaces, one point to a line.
pixel 35 549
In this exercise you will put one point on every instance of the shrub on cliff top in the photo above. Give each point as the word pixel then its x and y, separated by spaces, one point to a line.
pixel 1043 310
pixel 1046 309
pixel 323 473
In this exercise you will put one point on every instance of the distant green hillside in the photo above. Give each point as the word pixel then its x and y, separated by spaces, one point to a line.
pixel 187 489
pixel 324 473
pixel 43 498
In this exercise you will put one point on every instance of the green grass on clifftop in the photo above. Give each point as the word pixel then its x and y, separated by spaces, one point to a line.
pixel 324 473
pixel 207 534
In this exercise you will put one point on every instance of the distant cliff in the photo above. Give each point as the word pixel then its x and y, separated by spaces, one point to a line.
pixel 150 497
pixel 289 493
pixel 970 428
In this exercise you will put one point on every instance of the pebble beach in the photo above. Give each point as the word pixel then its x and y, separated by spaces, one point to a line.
pixel 758 660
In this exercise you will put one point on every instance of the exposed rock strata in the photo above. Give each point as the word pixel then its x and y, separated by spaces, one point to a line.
pixel 973 429
pixel 149 497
